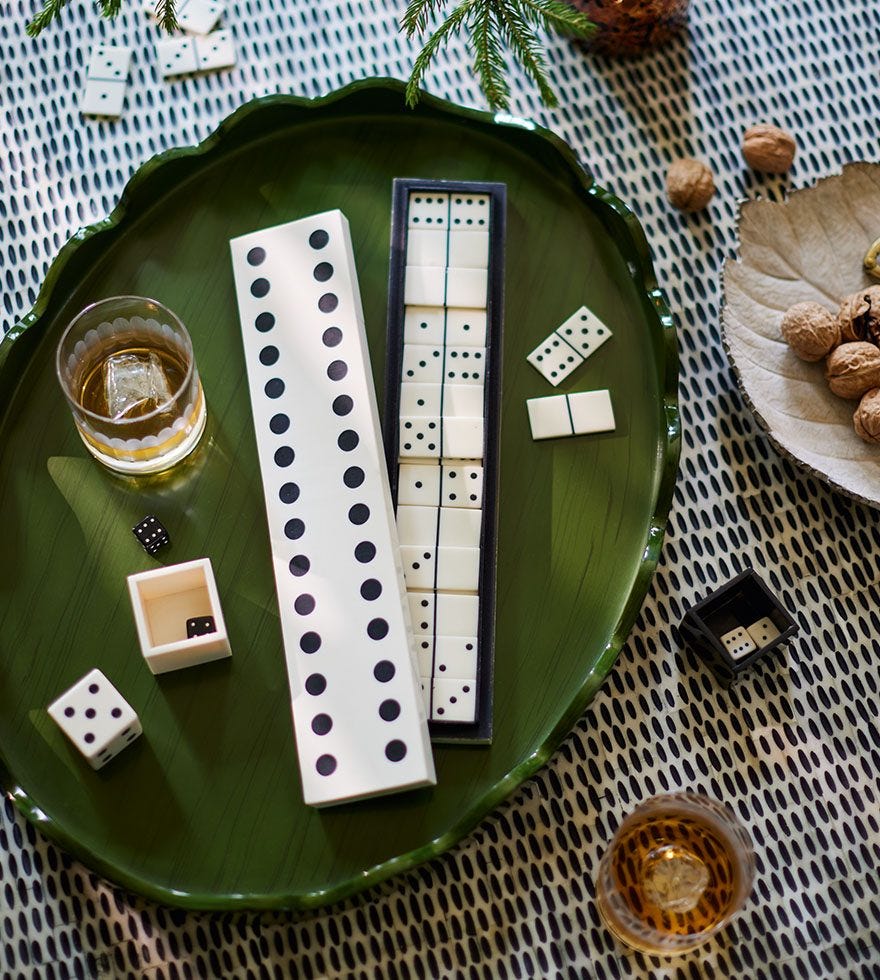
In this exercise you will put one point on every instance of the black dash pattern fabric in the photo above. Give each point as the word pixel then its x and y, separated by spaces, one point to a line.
pixel 793 749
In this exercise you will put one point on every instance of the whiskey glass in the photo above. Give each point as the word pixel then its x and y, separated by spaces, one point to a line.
pixel 127 369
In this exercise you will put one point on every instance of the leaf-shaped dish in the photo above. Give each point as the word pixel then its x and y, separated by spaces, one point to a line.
pixel 205 811
pixel 809 248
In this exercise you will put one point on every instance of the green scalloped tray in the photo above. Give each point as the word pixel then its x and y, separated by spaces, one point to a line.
pixel 205 811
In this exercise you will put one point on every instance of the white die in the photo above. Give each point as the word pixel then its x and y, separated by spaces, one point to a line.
pixel 96 718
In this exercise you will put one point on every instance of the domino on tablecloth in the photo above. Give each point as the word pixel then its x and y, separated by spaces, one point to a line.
pixel 582 334
pixel 357 705
pixel 578 414
pixel 442 407
pixel 200 16
pixel 185 55
pixel 194 16
pixel 106 81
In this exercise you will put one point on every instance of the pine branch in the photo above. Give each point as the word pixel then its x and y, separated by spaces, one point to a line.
pixel 166 14
pixel 451 26
pixel 109 8
pixel 488 61
pixel 526 48
pixel 561 17
pixel 418 14
pixel 494 24
pixel 51 10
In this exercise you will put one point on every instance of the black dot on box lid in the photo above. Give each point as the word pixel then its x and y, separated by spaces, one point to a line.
pixel 289 493
pixel 384 671
pixel 365 552
pixel 321 724
pixel 323 271
pixel 264 322
pixel 274 388
pixel 348 440
pixel 310 642
pixel 389 710
pixel 316 684
pixel 353 477
pixel 299 565
pixel 377 629
pixel 294 528
pixel 284 456
pixel 371 589
pixel 304 604
pixel 359 514
pixel 342 405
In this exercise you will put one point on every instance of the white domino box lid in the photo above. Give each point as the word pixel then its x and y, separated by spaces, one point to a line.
pixel 357 707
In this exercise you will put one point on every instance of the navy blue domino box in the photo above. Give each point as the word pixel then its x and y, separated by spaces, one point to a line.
pixel 479 732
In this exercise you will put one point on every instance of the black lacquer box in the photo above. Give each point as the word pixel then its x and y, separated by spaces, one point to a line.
pixel 488 221
pixel 737 624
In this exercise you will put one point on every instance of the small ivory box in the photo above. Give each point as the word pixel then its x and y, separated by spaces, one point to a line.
pixel 163 601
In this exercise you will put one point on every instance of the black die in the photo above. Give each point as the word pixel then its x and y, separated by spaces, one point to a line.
pixel 151 534
pixel 199 626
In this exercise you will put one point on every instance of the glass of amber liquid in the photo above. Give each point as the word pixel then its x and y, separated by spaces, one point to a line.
pixel 127 369
pixel 677 870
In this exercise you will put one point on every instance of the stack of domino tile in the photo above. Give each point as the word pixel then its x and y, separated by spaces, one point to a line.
pixel 205 49
pixel 439 512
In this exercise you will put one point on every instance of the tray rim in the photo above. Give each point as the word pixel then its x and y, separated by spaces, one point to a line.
pixel 666 360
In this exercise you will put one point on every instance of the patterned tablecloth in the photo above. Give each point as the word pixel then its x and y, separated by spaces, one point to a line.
pixel 793 749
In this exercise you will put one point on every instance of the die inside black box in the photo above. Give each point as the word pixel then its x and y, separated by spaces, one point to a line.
pixel 736 624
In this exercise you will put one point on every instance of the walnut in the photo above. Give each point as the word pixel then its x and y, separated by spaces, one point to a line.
pixel 867 416
pixel 870 261
pixel 810 331
pixel 768 148
pixel 851 369
pixel 859 315
pixel 689 184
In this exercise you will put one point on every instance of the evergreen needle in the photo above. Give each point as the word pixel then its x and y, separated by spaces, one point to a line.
pixel 52 9
pixel 494 26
